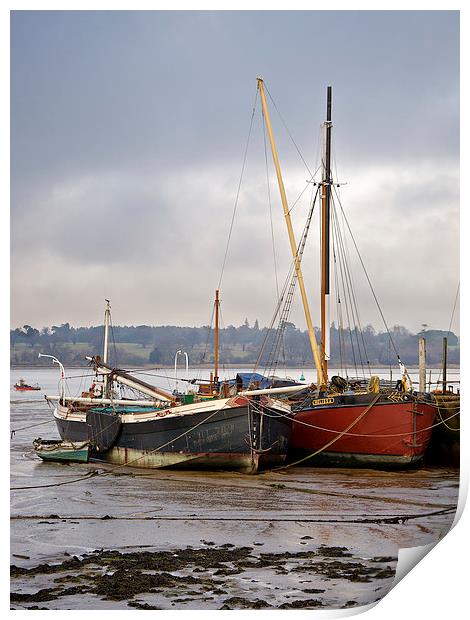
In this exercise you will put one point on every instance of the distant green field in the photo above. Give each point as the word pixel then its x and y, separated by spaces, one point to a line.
pixel 132 348
pixel 121 352
pixel 129 354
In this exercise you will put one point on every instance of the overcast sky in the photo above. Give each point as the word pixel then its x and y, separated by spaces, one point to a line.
pixel 127 137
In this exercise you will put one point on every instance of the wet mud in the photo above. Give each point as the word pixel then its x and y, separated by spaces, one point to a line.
pixel 90 536
pixel 185 576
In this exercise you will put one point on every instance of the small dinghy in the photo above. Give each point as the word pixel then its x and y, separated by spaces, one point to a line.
pixel 67 451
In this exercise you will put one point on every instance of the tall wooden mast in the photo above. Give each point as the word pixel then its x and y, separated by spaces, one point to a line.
pixel 107 321
pixel 321 378
pixel 216 353
pixel 325 239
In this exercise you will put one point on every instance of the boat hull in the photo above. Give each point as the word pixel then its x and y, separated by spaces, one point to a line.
pixel 62 451
pixel 394 432
pixel 238 437
pixel 444 448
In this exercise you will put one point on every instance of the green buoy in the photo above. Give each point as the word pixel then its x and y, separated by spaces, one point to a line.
pixel 302 378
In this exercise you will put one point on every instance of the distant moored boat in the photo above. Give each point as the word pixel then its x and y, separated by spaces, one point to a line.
pixel 22 386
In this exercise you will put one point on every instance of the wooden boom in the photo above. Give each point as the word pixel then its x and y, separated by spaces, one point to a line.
pixel 293 244
pixel 126 379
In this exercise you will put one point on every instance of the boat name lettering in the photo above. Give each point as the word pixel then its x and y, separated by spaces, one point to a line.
pixel 323 401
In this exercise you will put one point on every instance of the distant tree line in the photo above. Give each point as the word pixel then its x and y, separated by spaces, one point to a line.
pixel 156 345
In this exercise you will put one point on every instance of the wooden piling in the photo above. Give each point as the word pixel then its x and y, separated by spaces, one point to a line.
pixel 444 365
pixel 422 364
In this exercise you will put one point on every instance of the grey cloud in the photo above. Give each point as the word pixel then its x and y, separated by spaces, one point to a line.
pixel 128 132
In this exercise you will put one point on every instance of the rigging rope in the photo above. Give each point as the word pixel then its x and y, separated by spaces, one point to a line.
pixel 346 292
pixel 367 277
pixel 116 361
pixel 339 318
pixel 289 133
pixel 275 314
pixel 238 191
pixel 270 207
pixel 273 360
pixel 300 195
pixel 209 332
pixel 450 324
pixel 344 257
pixel 288 289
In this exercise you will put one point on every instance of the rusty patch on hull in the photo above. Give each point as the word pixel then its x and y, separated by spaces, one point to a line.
pixel 156 460
pixel 235 439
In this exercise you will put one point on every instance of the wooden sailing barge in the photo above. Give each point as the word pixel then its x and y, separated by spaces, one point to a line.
pixel 340 423
pixel 389 429
pixel 337 422
pixel 246 431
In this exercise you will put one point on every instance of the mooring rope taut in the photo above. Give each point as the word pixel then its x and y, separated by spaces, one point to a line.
pixel 327 445
pixel 87 476
pixel 173 439
pixel 129 463
pixel 24 428
pixel 339 518
pixel 444 421
pixel 370 435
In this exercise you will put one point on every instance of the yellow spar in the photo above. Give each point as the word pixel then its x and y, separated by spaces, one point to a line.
pixel 293 244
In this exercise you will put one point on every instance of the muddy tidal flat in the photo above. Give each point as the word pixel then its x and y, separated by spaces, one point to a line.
pixel 89 536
